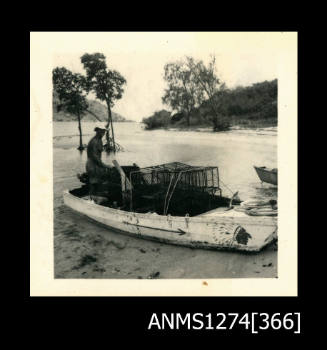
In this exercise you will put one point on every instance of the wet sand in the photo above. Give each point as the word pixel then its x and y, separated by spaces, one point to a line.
pixel 84 249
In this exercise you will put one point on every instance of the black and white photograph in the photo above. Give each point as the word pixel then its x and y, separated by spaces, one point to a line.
pixel 164 159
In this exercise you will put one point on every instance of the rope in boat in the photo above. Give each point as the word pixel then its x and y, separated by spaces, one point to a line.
pixel 256 207
pixel 232 192
pixel 171 193
pixel 170 182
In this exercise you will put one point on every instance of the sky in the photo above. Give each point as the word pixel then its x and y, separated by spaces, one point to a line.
pixel 241 59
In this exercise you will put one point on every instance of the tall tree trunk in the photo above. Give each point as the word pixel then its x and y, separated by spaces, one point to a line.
pixel 188 119
pixel 108 147
pixel 81 147
pixel 216 116
pixel 188 116
pixel 110 127
pixel 112 131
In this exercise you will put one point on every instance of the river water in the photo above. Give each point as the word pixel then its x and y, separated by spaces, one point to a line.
pixel 85 250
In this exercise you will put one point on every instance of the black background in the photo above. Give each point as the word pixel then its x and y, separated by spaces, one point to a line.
pixel 89 319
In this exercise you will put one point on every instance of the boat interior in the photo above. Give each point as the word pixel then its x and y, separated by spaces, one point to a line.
pixel 173 188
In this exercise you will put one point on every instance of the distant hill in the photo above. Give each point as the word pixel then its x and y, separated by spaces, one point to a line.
pixel 96 110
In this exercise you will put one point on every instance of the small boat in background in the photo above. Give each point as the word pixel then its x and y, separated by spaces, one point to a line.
pixel 267 175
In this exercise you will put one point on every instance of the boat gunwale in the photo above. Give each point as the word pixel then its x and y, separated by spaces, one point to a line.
pixel 250 220
pixel 267 170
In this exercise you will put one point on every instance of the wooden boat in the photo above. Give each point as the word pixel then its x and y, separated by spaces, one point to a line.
pixel 267 175
pixel 222 227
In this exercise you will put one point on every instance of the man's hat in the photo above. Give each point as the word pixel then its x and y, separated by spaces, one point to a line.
pixel 100 126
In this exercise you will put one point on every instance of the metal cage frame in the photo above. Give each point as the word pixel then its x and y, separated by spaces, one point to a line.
pixel 176 175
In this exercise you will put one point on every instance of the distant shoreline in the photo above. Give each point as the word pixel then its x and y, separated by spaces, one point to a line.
pixel 209 129
pixel 94 121
pixel 205 128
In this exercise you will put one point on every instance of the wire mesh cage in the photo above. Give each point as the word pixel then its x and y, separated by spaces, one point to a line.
pixel 156 185
pixel 190 177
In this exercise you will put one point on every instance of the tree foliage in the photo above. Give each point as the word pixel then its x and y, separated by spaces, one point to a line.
pixel 205 76
pixel 190 83
pixel 183 93
pixel 71 89
pixel 105 83
pixel 258 101
pixel 212 86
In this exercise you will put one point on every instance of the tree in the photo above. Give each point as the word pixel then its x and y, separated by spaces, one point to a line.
pixel 183 93
pixel 106 84
pixel 71 88
pixel 206 79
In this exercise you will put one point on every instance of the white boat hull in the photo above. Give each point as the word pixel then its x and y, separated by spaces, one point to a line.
pixel 217 230
pixel 267 175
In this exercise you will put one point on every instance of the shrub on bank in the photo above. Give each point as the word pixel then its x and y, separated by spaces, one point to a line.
pixel 221 125
pixel 160 119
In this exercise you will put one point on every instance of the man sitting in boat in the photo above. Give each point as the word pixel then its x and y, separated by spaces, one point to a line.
pixel 95 168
